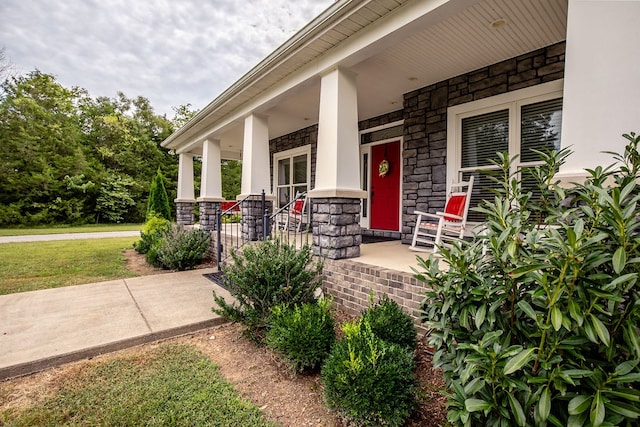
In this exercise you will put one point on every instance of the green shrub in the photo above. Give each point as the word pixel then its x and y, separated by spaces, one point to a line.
pixel 303 334
pixel 158 204
pixel 235 218
pixel 181 248
pixel 152 231
pixel 266 275
pixel 539 325
pixel 389 322
pixel 368 381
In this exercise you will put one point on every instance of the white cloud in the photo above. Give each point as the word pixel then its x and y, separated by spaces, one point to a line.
pixel 171 52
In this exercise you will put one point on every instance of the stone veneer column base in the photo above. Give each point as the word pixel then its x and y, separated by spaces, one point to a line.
pixel 208 215
pixel 252 217
pixel 184 213
pixel 336 227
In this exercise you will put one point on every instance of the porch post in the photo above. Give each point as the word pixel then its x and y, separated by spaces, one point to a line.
pixel 186 198
pixel 337 195
pixel 210 184
pixel 255 176
pixel 601 86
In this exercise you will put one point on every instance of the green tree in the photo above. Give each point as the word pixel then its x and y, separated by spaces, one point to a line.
pixel 158 204
pixel 39 146
pixel 123 136
pixel 231 178
pixel 115 198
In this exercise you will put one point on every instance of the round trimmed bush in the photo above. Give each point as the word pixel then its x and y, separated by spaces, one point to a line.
pixel 303 335
pixel 389 322
pixel 369 381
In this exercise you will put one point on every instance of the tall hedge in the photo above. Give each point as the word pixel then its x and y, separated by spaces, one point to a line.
pixel 158 199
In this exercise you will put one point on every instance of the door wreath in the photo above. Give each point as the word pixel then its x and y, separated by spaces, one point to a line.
pixel 383 168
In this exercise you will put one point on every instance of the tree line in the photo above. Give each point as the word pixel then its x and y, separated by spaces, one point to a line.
pixel 66 157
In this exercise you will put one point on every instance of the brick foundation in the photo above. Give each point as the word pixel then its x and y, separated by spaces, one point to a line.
pixel 351 282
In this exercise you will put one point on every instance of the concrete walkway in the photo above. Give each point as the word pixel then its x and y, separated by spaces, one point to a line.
pixel 40 329
pixel 67 236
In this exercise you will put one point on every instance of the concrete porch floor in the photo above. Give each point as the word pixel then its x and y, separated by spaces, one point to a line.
pixel 392 255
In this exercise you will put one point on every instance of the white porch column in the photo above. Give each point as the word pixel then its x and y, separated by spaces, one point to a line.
pixel 255 177
pixel 338 157
pixel 336 197
pixel 255 157
pixel 185 200
pixel 211 179
pixel 185 178
pixel 602 81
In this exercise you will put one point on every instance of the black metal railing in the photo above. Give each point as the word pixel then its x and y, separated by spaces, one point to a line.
pixel 291 224
pixel 228 229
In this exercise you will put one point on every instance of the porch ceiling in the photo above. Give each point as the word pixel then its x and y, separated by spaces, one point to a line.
pixel 457 37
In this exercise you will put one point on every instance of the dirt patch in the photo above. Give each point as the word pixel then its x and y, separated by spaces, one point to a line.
pixel 256 373
pixel 138 264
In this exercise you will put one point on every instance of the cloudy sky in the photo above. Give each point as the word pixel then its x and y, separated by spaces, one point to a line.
pixel 173 52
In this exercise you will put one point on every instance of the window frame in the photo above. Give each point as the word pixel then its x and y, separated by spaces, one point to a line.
pixel 511 101
pixel 290 154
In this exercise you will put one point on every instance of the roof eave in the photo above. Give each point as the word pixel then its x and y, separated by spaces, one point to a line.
pixel 321 23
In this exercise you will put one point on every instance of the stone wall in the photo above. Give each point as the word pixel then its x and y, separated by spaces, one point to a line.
pixel 336 227
pixel 184 213
pixel 253 217
pixel 207 217
pixel 425 122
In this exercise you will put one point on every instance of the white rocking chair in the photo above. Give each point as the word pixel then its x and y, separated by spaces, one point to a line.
pixel 295 217
pixel 433 229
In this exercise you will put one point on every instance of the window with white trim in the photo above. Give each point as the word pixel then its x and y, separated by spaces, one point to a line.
pixel 291 173
pixel 518 122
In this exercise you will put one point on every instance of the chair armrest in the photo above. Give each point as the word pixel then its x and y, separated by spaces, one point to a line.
pixel 438 215
pixel 448 216
pixel 427 214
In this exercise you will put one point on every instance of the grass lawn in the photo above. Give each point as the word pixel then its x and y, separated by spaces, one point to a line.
pixel 59 229
pixel 41 265
pixel 172 385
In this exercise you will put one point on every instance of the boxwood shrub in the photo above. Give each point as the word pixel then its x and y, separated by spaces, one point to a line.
pixel 369 381
pixel 264 276
pixel 389 322
pixel 302 334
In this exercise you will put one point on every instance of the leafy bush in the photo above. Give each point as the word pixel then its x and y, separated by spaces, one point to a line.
pixel 303 334
pixel 389 322
pixel 368 381
pixel 181 248
pixel 536 322
pixel 152 231
pixel 235 218
pixel 266 275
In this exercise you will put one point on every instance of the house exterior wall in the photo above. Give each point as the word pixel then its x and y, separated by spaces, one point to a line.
pixel 425 125
pixel 425 122
pixel 300 138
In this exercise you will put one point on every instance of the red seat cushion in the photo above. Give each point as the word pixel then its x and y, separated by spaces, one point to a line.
pixel 455 205
pixel 297 207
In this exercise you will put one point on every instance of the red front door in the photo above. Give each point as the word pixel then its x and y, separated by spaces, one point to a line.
pixel 385 187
